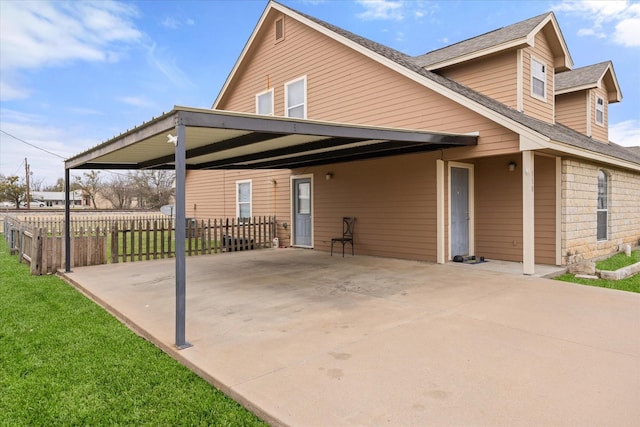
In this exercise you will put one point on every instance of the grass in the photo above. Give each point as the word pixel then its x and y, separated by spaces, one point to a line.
pixel 618 261
pixel 630 284
pixel 66 361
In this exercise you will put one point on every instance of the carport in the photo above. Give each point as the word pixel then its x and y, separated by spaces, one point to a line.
pixel 188 138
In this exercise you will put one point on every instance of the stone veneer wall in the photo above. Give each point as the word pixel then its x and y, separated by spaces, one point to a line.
pixel 579 207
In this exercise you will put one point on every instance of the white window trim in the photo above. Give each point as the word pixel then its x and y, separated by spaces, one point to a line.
pixel 531 68
pixel 472 213
pixel 258 101
pixel 598 97
pixel 244 181
pixel 286 96
pixel 607 178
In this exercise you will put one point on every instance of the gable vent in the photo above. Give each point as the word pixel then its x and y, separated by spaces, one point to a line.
pixel 279 29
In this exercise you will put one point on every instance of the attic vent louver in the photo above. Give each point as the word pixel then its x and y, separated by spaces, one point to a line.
pixel 279 29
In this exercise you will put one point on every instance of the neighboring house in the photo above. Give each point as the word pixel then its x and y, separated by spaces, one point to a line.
pixel 542 185
pixel 57 198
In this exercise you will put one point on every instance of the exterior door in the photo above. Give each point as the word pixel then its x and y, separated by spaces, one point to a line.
pixel 459 211
pixel 302 212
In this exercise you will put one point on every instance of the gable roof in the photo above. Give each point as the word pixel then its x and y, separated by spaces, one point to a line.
pixel 589 77
pixel 512 36
pixel 543 134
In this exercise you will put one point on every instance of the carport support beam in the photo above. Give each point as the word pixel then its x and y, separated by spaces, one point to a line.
pixel 181 235
pixel 67 223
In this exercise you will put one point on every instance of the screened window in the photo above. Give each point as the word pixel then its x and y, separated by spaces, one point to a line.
pixel 599 110
pixel 538 79
pixel 264 103
pixel 603 205
pixel 243 197
pixel 304 198
pixel 296 98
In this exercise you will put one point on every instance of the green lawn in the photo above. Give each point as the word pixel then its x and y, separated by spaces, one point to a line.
pixel 618 261
pixel 66 361
pixel 630 284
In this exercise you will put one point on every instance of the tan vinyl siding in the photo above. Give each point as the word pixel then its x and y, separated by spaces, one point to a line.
pixel 533 106
pixel 571 110
pixel 212 194
pixel 498 208
pixel 494 76
pixel 545 209
pixel 393 199
pixel 599 132
pixel 345 86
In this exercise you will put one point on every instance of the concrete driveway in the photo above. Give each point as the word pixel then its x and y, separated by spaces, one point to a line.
pixel 305 339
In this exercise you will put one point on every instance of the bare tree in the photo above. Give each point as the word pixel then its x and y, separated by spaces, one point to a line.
pixel 153 188
pixel 118 191
pixel 90 183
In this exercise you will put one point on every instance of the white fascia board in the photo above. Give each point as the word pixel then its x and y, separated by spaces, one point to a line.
pixel 245 49
pixel 576 88
pixel 579 152
pixel 551 18
pixel 513 44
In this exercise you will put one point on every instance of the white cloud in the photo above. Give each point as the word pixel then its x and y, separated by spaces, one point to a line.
pixel 619 20
pixel 137 101
pixel 625 133
pixel 174 24
pixel 382 10
pixel 36 34
pixel 166 64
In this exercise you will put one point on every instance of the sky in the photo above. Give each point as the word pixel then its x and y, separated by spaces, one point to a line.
pixel 75 74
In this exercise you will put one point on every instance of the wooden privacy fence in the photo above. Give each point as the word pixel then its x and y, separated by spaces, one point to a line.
pixel 40 242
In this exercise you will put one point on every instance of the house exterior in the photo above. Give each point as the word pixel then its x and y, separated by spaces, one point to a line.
pixel 542 185
pixel 56 199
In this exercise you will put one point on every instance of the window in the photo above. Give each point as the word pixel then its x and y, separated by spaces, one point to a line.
pixel 603 205
pixel 243 198
pixel 279 29
pixel 538 79
pixel 296 98
pixel 264 103
pixel 599 111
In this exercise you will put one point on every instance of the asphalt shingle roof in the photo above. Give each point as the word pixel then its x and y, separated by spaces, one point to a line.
pixel 485 41
pixel 578 77
pixel 556 132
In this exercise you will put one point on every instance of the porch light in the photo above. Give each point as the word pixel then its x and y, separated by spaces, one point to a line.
pixel 512 166
pixel 328 176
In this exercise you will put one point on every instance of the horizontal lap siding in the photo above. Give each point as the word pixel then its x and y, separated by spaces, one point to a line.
pixel 393 199
pixel 533 106
pixel 545 209
pixel 599 132
pixel 498 209
pixel 212 194
pixel 571 110
pixel 345 86
pixel 494 76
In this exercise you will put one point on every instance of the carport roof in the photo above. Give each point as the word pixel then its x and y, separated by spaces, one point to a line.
pixel 226 140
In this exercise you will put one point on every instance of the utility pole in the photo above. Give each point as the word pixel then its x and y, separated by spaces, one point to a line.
pixel 26 167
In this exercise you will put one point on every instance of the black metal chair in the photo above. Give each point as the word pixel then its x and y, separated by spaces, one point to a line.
pixel 348 224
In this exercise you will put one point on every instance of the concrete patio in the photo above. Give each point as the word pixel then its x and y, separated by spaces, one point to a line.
pixel 305 339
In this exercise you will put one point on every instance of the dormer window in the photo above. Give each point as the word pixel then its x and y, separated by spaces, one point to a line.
pixel 538 79
pixel 599 111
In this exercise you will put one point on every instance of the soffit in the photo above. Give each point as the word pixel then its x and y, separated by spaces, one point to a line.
pixel 226 140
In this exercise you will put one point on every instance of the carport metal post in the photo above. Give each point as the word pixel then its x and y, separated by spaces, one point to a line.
pixel 180 225
pixel 67 223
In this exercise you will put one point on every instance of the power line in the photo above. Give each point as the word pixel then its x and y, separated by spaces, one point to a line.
pixel 32 145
